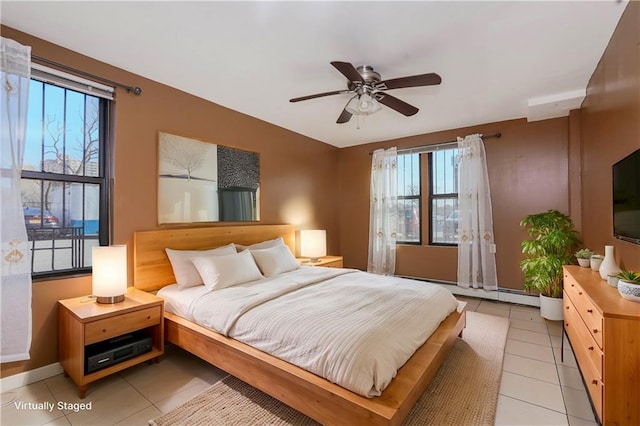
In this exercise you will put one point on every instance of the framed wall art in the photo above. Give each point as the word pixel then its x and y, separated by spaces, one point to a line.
pixel 205 182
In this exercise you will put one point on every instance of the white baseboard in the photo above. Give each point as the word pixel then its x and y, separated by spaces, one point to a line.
pixel 28 377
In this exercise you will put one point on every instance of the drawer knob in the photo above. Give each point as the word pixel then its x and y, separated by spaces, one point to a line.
pixel 595 330
pixel 590 348
pixel 594 381
pixel 104 330
pixel 580 293
pixel 149 317
pixel 590 311
pixel 567 307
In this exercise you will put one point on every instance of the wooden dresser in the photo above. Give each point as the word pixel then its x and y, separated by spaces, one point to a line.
pixel 604 331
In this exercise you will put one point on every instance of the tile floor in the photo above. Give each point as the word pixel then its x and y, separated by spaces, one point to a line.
pixel 536 388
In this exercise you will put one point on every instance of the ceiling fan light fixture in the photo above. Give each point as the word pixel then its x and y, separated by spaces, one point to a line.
pixel 363 104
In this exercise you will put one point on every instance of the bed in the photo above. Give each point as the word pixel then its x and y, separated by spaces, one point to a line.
pixel 308 393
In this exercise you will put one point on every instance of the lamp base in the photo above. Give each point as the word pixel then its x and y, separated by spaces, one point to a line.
pixel 312 260
pixel 110 299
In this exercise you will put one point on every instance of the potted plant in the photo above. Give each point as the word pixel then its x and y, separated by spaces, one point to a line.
pixel 584 257
pixel 629 285
pixel 552 240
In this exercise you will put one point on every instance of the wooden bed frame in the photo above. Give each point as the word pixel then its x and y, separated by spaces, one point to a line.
pixel 312 395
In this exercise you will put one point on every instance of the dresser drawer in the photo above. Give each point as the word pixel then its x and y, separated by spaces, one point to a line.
pixel 97 331
pixel 595 387
pixel 585 308
pixel 584 346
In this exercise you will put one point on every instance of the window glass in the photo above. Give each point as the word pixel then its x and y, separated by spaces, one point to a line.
pixel 444 196
pixel 63 182
pixel 409 198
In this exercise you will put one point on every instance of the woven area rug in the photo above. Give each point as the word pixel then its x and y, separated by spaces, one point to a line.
pixel 464 391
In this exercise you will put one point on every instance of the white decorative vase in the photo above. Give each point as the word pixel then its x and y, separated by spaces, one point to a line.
pixel 608 265
pixel 551 308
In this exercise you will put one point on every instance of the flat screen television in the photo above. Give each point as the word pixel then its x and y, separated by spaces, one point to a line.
pixel 626 198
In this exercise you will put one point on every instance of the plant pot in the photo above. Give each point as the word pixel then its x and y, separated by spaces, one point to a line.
pixel 595 262
pixel 629 290
pixel 551 308
pixel 585 263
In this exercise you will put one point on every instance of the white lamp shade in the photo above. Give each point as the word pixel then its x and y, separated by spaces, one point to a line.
pixel 109 273
pixel 313 243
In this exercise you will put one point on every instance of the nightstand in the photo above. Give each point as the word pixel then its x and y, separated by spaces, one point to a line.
pixel 328 261
pixel 96 340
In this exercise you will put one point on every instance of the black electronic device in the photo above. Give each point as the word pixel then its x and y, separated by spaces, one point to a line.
pixel 109 352
pixel 626 198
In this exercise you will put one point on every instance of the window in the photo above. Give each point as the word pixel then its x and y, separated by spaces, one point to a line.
pixel 443 196
pixel 409 199
pixel 64 174
pixel 441 213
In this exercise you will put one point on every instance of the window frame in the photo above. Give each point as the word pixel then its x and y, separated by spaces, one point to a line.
pixel 432 196
pixel 72 83
pixel 426 202
pixel 417 197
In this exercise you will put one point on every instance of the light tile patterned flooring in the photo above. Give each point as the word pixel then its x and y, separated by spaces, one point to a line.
pixel 536 388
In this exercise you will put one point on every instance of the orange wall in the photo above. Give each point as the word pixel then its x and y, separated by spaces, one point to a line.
pixel 529 168
pixel 528 173
pixel 298 174
pixel 610 117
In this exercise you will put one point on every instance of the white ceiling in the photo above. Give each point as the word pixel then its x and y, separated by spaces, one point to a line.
pixel 495 58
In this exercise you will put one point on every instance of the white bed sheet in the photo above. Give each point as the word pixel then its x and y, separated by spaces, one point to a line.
pixel 350 327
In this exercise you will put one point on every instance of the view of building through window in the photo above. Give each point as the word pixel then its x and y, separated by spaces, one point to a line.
pixel 409 198
pixel 443 196
pixel 442 214
pixel 62 176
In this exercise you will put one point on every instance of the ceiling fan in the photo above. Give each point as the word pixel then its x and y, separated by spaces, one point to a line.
pixel 368 91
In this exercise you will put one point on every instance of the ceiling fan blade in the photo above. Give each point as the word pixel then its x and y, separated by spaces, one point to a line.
pixel 345 116
pixel 319 95
pixel 348 71
pixel 430 79
pixel 394 103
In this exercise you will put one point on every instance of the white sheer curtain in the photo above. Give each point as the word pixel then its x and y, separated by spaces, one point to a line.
pixel 476 259
pixel 15 277
pixel 383 213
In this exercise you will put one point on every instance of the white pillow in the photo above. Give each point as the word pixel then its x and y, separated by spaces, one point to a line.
pixel 275 260
pixel 263 245
pixel 183 269
pixel 220 272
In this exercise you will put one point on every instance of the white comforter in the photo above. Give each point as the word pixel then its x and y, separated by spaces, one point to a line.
pixel 350 327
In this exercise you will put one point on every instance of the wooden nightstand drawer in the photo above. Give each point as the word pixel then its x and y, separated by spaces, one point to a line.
pixel 100 330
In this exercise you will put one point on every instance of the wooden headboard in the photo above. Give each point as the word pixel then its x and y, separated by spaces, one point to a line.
pixel 151 267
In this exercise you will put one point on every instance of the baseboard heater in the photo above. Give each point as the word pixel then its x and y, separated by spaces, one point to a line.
pixel 453 283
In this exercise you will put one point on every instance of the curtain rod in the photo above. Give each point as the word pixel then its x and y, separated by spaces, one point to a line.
pixel 131 89
pixel 441 144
